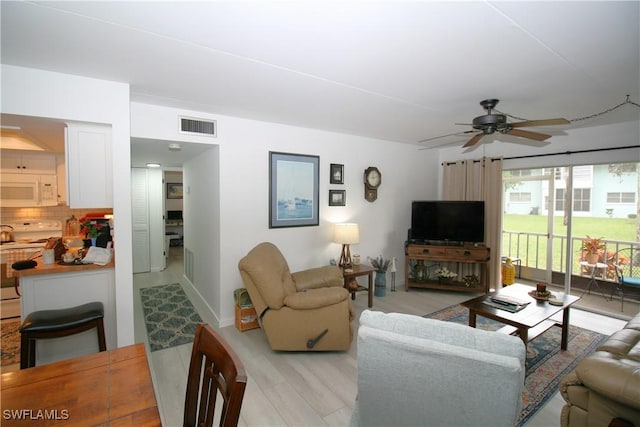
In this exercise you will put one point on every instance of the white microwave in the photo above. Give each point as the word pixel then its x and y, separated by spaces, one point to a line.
pixel 25 190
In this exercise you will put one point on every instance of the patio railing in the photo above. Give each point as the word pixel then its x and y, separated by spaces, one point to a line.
pixel 531 249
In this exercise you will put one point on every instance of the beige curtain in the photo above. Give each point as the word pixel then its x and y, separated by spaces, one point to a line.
pixel 480 180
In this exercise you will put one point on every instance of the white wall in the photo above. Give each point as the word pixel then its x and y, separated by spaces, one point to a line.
pixel 31 92
pixel 201 185
pixel 241 164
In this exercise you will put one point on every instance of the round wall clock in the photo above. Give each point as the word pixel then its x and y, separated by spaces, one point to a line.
pixel 372 180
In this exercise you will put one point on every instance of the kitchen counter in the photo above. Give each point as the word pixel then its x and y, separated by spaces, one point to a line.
pixel 54 286
pixel 56 268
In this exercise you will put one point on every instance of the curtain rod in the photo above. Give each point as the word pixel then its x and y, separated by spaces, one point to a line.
pixel 593 150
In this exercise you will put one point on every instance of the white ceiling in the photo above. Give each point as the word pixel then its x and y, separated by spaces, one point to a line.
pixel 400 71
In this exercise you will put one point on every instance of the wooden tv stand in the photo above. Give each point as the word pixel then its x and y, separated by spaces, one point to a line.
pixel 455 258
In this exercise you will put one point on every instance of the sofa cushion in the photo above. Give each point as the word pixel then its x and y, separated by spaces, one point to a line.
pixel 634 323
pixel 612 376
pixel 623 343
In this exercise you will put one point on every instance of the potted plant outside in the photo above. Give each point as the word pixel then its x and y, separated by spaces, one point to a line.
pixel 591 249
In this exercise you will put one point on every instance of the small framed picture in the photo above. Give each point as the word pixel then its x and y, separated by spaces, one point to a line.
pixel 174 190
pixel 337 197
pixel 336 174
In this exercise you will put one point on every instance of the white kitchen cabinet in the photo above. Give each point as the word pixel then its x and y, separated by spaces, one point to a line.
pixel 88 162
pixel 28 163
pixel 63 290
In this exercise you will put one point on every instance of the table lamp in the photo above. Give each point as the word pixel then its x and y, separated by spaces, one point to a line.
pixel 346 234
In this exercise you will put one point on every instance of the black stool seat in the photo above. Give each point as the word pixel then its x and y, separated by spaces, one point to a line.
pixel 46 324
pixel 56 320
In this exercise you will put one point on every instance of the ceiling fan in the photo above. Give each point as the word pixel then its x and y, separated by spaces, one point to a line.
pixel 492 122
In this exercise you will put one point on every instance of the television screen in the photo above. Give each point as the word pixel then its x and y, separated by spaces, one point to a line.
pixel 447 221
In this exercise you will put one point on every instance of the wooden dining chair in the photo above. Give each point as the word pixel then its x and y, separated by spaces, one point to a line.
pixel 214 370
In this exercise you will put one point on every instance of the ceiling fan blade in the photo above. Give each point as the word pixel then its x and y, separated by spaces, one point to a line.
pixel 545 122
pixel 444 136
pixel 529 135
pixel 473 141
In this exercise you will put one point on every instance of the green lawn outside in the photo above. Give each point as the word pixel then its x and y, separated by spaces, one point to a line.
pixel 611 229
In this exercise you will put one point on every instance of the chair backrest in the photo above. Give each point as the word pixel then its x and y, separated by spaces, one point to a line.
pixel 214 370
pixel 266 276
pixel 626 263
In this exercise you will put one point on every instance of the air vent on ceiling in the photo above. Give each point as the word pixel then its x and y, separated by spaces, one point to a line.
pixel 198 127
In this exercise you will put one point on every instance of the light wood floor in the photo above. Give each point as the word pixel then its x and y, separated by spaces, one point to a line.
pixel 305 389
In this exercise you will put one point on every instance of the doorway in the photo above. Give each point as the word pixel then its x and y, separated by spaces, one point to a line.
pixel 159 193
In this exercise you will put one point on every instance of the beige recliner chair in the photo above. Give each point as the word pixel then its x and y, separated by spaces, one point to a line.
pixel 308 310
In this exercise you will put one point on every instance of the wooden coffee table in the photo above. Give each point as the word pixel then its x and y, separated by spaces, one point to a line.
pixel 529 322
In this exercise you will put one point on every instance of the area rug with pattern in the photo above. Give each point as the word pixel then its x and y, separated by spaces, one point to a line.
pixel 10 342
pixel 546 364
pixel 169 316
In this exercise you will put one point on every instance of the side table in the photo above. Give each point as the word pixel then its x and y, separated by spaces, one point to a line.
pixel 356 271
pixel 593 270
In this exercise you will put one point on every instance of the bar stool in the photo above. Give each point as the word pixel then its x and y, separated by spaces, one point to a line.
pixel 46 324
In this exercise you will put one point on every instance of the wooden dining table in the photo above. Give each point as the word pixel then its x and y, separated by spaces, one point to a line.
pixel 111 388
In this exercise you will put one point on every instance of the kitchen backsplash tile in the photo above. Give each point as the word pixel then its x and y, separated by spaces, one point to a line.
pixel 61 213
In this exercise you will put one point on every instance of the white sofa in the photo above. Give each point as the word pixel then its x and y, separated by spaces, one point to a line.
pixel 414 371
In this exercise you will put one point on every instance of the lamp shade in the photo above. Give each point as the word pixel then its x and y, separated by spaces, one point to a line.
pixel 346 233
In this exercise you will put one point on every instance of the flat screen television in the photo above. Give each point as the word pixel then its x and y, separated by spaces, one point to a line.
pixel 450 222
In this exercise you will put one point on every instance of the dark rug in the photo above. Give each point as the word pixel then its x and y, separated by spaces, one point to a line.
pixel 10 342
pixel 169 315
pixel 546 364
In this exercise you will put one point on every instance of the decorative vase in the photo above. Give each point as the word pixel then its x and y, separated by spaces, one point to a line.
pixel 93 241
pixel 420 271
pixel 380 284
pixel 592 258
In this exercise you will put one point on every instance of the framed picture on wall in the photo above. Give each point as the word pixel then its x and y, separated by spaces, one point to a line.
pixel 174 190
pixel 336 174
pixel 293 190
pixel 337 197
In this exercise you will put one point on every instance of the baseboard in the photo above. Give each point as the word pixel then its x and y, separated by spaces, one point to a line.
pixel 207 314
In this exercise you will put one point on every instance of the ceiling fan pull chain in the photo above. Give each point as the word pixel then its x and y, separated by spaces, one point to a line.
pixel 627 101
pixel 602 113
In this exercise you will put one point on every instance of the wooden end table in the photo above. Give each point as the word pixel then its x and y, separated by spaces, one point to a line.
pixel 356 271
pixel 529 322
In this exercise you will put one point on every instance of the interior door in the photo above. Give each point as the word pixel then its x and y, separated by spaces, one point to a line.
pixel 140 220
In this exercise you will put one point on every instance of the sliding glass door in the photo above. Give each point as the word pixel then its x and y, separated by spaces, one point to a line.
pixel 549 212
pixel 528 222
